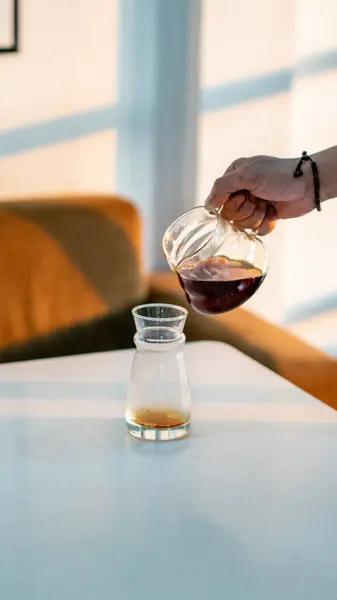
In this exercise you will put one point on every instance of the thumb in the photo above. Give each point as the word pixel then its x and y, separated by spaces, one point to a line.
pixel 230 183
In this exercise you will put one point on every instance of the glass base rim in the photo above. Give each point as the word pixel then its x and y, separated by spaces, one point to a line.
pixel 164 434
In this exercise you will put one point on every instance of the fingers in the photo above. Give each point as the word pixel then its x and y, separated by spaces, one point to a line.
pixel 269 222
pixel 239 206
pixel 240 175
pixel 236 194
pixel 260 227
pixel 267 226
pixel 230 183
pixel 248 212
pixel 254 221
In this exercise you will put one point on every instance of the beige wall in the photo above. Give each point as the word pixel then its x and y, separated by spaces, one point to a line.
pixel 67 65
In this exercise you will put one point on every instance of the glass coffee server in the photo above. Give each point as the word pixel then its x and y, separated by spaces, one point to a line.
pixel 218 266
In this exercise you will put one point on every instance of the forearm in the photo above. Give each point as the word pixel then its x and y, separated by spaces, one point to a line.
pixel 326 161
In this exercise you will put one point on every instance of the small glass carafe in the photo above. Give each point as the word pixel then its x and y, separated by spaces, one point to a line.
pixel 158 399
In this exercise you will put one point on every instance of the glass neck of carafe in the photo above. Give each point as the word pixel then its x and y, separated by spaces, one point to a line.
pixel 159 339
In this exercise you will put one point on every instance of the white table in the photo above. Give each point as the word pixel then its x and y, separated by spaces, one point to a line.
pixel 246 508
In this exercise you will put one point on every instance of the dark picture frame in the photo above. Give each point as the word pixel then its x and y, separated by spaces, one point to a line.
pixel 13 46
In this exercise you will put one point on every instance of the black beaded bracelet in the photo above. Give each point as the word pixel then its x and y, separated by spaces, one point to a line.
pixel 299 172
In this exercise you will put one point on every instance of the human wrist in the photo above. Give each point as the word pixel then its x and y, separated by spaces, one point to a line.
pixel 326 161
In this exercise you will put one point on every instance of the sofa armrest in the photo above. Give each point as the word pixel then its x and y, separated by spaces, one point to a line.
pixel 279 350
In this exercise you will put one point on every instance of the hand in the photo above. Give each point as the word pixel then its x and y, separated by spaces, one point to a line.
pixel 255 192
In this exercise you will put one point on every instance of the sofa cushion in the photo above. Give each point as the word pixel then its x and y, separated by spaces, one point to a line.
pixel 64 261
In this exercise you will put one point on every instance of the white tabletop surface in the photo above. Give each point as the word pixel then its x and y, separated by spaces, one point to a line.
pixel 246 508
